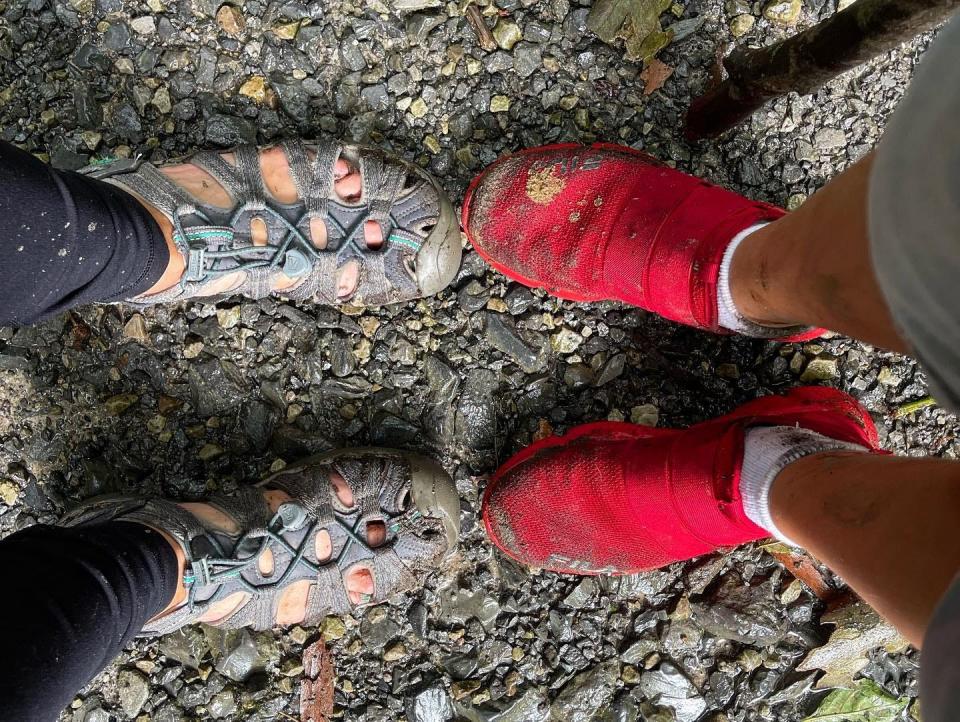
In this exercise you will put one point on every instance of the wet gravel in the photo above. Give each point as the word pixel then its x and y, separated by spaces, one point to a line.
pixel 181 401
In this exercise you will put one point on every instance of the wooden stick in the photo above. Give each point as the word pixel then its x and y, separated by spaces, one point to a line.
pixel 484 36
pixel 809 59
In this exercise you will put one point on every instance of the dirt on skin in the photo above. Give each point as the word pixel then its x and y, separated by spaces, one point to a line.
pixel 543 186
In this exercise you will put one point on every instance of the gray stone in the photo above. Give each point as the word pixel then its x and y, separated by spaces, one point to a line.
pixel 431 705
pixel 527 59
pixel 586 694
pixel 667 686
pixel 134 690
pixel 503 336
pixel 227 131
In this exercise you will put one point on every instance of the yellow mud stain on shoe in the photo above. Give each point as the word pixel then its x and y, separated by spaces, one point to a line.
pixel 544 185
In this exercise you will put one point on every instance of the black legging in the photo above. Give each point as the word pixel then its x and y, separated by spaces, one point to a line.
pixel 74 598
pixel 66 239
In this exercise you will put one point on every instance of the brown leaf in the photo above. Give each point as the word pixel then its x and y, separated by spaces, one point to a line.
pixel 803 567
pixel 544 430
pixel 316 694
pixel 654 76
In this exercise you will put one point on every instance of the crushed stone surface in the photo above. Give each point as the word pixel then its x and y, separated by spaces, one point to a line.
pixel 197 398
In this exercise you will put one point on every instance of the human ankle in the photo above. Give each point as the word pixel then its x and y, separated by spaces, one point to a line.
pixel 748 285
pixel 768 450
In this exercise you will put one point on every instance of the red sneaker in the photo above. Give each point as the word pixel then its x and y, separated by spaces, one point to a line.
pixel 619 498
pixel 606 222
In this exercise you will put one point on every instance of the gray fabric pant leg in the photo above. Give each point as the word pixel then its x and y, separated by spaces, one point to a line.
pixel 914 216
pixel 914 221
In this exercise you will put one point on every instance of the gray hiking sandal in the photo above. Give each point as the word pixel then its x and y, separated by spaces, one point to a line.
pixel 419 255
pixel 410 495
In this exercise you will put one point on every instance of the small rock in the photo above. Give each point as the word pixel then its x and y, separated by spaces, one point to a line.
pixel 257 89
pixel 133 689
pixel 210 451
pixel 144 25
pixel 228 317
pixel 286 31
pixel 136 329
pixel 222 705
pixel 741 25
pixel 507 34
pixel 783 12
pixel 431 705
pixel 395 652
pixel 161 100
pixel 582 594
pixel 668 687
pixel 821 368
pixel 830 138
pixel 586 694
pixel 231 20
pixel 116 405
pixel 499 104
pixel 418 108
pixel 645 415
pixel 192 349
pixel 566 341
pixel 9 492
pixel 332 628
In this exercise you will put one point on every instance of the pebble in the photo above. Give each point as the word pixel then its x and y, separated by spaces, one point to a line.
pixel 645 415
pixel 116 405
pixel 507 34
pixel 133 689
pixel 566 341
pixel 9 492
pixel 395 652
pixel 821 368
pixel 741 25
pixel 231 20
pixel 783 12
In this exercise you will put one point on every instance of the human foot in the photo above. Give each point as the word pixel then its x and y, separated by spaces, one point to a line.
pixel 336 531
pixel 606 222
pixel 613 497
pixel 330 223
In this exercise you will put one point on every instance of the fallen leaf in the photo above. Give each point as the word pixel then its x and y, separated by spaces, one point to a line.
pixel 866 702
pixel 136 329
pixel 858 630
pixel 654 76
pixel 637 22
pixel 316 694
pixel 544 430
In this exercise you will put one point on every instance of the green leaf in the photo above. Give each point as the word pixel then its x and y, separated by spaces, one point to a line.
pixel 866 702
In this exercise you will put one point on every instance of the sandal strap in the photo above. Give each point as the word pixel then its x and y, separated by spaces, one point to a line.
pixel 219 564
pixel 217 241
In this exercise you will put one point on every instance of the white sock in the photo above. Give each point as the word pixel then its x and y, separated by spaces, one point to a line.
pixel 728 315
pixel 766 451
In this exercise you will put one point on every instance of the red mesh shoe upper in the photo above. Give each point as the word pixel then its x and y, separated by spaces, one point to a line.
pixel 607 222
pixel 619 498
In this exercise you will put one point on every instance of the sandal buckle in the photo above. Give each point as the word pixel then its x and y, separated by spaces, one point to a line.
pixel 200 570
pixel 196 259
pixel 296 264
pixel 291 517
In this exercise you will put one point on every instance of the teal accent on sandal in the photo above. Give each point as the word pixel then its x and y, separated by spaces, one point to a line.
pixel 202 235
pixel 412 245
pixel 107 160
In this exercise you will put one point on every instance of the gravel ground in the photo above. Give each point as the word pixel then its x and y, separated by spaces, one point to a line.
pixel 185 400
